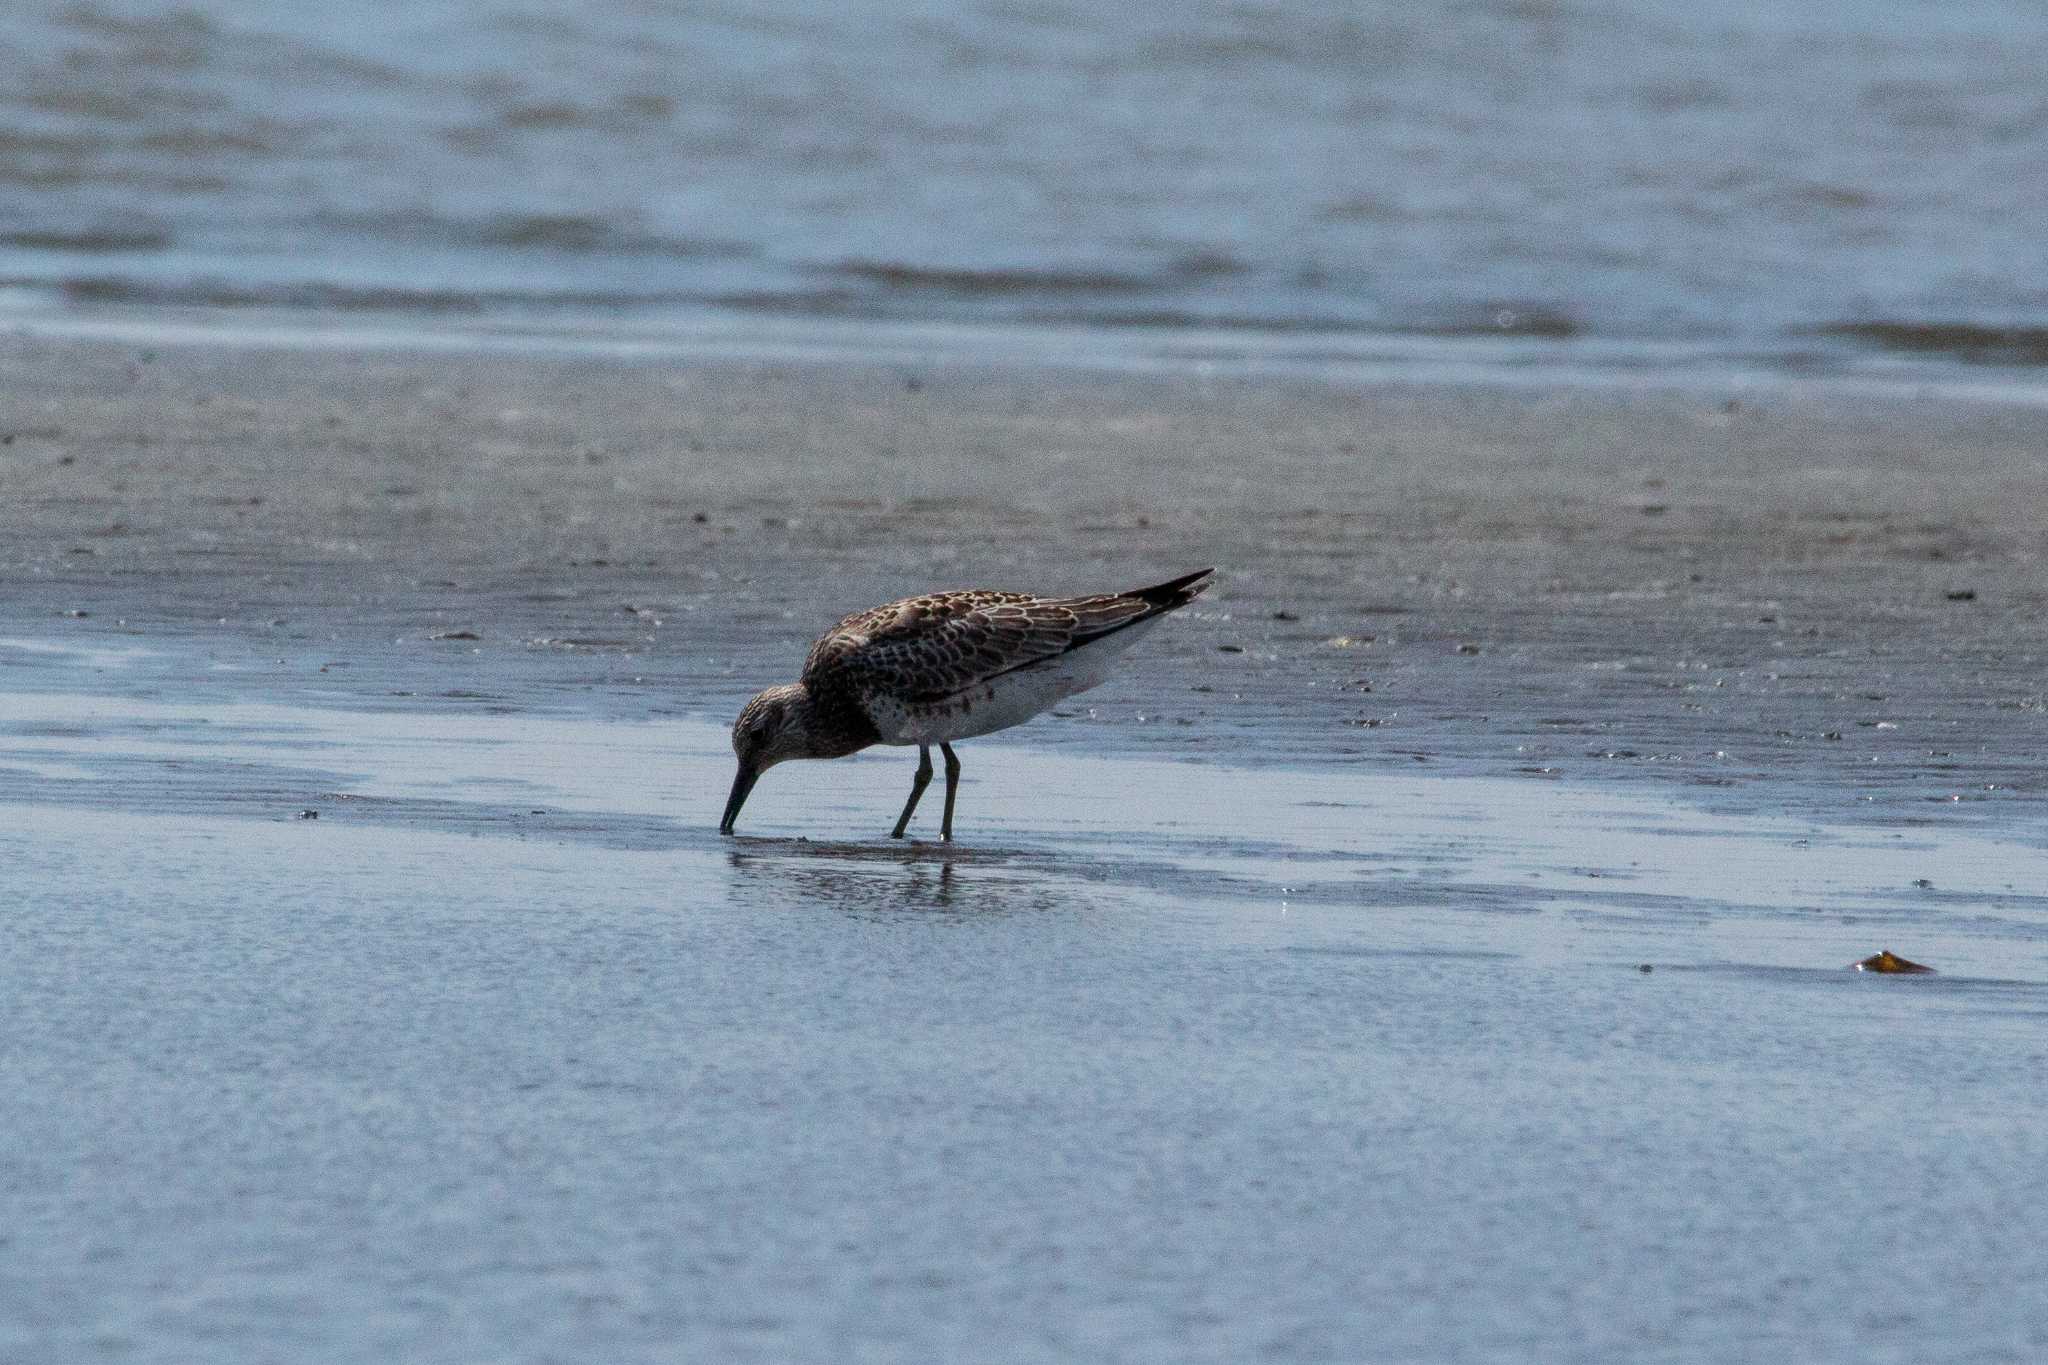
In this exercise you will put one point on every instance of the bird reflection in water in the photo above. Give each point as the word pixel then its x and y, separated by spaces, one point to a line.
pixel 853 878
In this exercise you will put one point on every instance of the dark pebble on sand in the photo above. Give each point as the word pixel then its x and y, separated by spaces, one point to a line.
pixel 1285 616
pixel 1468 649
pixel 1230 649
pixel 1962 595
pixel 1646 969
pixel 455 635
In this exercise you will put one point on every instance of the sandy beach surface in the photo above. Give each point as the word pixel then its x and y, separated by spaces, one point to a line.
pixel 1831 589
pixel 1432 946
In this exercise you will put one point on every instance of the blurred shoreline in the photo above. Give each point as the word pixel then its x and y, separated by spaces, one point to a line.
pixel 712 334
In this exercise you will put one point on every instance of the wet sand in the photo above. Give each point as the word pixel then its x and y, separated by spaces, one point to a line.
pixel 1786 594
pixel 381 987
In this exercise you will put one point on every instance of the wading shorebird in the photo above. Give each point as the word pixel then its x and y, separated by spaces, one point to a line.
pixel 929 670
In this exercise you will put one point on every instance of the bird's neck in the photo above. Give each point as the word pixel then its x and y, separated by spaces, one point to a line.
pixel 835 724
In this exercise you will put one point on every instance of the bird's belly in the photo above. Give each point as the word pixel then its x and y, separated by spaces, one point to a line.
pixel 1001 702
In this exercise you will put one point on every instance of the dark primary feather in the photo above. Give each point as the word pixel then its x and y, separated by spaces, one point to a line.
pixel 933 646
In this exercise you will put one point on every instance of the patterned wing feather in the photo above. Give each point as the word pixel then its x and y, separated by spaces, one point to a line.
pixel 931 647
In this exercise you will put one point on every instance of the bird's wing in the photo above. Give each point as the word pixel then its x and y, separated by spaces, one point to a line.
pixel 929 648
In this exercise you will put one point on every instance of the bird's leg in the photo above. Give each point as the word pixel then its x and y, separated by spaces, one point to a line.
pixel 952 786
pixel 917 786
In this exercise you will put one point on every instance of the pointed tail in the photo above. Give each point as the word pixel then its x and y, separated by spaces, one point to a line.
pixel 1177 592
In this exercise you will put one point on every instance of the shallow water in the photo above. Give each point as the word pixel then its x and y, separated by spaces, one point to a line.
pixel 1806 186
pixel 505 1054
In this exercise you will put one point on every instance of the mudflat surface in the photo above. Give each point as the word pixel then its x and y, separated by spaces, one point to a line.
pixel 1832 592
pixel 380 988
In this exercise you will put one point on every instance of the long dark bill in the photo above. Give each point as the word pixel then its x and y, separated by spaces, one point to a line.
pixel 743 782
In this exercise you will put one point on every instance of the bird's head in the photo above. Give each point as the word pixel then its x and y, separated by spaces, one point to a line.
pixel 773 726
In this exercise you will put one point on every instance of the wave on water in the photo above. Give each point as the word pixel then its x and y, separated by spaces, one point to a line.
pixel 1969 342
pixel 584 233
pixel 86 239
pixel 204 293
pixel 969 281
